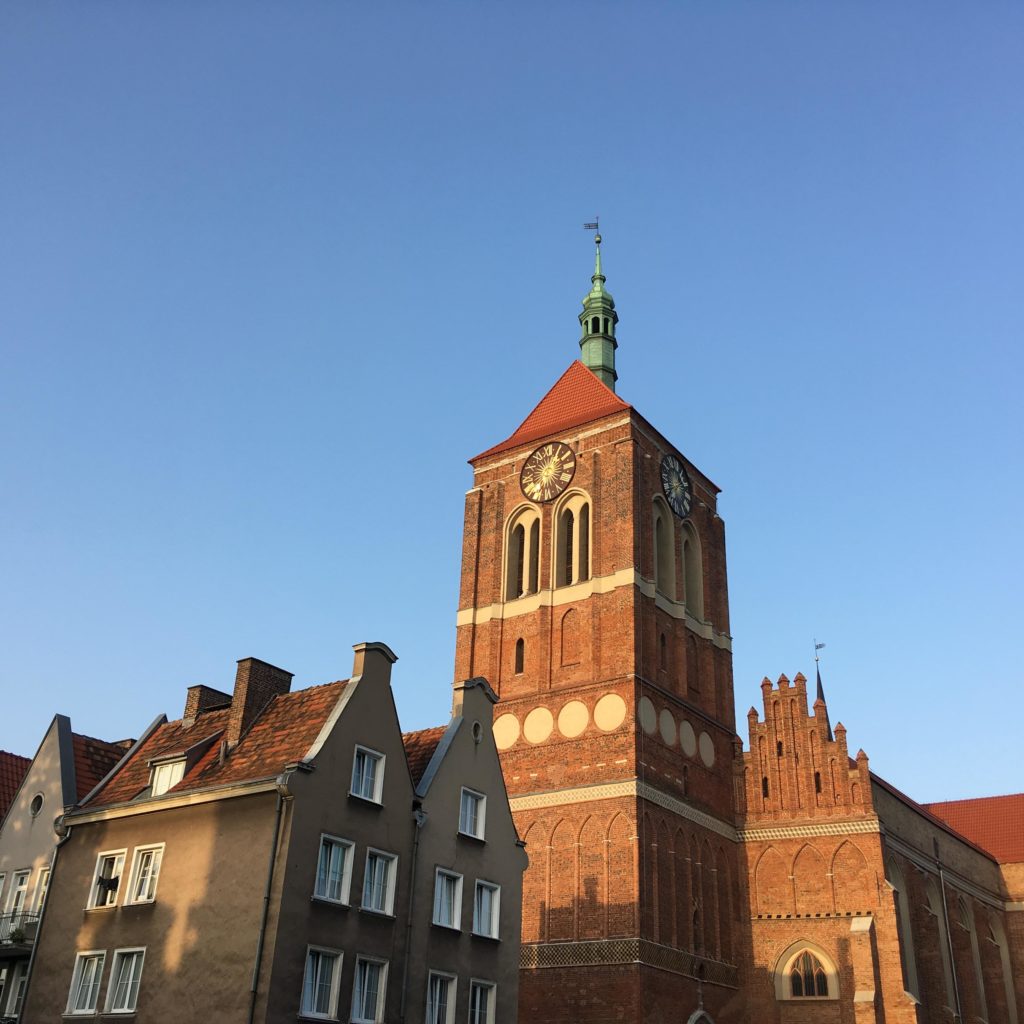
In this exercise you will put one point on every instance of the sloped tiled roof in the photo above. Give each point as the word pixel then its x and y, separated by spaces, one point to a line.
pixel 995 823
pixel 283 733
pixel 923 810
pixel 93 759
pixel 419 749
pixel 577 397
pixel 12 770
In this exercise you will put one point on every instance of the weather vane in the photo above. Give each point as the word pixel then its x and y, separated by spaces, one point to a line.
pixel 817 647
pixel 593 226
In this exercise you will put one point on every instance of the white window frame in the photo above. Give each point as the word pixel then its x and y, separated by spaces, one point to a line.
pixel 42 887
pixel 339 958
pixel 348 853
pixel 494 925
pixel 389 887
pixel 119 956
pixel 76 980
pixel 382 989
pixel 138 855
pixel 442 876
pixel 162 769
pixel 25 874
pixel 17 983
pixel 451 982
pixel 481 813
pixel 94 903
pixel 492 988
pixel 377 793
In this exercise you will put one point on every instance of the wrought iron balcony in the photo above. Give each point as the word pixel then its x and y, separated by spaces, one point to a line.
pixel 18 928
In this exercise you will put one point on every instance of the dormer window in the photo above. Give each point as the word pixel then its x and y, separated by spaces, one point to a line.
pixel 165 775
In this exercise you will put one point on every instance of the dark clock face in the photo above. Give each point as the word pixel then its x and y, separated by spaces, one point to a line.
pixel 675 482
pixel 548 471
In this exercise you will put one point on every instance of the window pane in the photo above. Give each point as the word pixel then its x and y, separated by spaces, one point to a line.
pixel 437 1000
pixel 367 987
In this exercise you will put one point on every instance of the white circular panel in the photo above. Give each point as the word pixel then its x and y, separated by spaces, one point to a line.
pixel 646 714
pixel 707 749
pixel 538 725
pixel 610 712
pixel 506 731
pixel 667 725
pixel 687 739
pixel 573 718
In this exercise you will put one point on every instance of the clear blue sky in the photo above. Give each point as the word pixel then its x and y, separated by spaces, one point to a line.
pixel 271 272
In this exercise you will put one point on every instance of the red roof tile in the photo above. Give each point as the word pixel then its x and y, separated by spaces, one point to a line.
pixel 577 397
pixel 419 749
pixel 93 759
pixel 995 823
pixel 283 733
pixel 12 770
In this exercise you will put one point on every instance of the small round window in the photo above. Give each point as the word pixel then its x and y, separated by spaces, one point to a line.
pixel 37 804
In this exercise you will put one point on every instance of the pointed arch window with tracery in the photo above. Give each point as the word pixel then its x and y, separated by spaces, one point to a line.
pixel 807 977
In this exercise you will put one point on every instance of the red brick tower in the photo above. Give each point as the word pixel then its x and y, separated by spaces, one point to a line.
pixel 594 600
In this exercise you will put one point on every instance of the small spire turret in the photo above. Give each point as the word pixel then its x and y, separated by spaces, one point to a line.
pixel 598 320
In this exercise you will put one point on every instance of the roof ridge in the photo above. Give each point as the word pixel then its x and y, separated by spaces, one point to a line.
pixel 972 799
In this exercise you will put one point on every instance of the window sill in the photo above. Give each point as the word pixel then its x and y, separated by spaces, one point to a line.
pixel 328 902
pixel 388 915
pixel 139 903
pixel 369 801
pixel 482 935
pixel 469 835
pixel 90 910
pixel 313 1016
pixel 446 927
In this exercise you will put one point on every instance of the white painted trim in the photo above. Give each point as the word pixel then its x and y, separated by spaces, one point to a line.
pixel 203 796
pixel 615 790
pixel 336 712
pixel 552 598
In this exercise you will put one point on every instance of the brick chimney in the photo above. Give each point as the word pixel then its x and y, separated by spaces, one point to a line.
pixel 202 698
pixel 257 683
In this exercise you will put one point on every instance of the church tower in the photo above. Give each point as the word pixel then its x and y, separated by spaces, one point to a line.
pixel 594 599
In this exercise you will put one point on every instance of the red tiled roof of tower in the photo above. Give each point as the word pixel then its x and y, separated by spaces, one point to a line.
pixel 995 823
pixel 419 749
pixel 282 734
pixel 93 760
pixel 577 397
pixel 12 770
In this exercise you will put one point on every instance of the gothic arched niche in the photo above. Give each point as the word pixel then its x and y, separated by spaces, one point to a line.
pixel 810 882
pixel 771 884
pixel 592 880
pixel 852 880
pixel 666 880
pixel 571 637
pixel 535 883
pixel 682 890
pixel 562 885
pixel 621 877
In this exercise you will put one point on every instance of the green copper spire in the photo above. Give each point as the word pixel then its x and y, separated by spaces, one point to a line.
pixel 598 320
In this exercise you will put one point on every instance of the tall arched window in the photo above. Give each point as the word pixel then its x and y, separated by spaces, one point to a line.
pixel 805 971
pixel 572 541
pixel 693 574
pixel 664 550
pixel 522 555
pixel 933 900
pixel 520 655
pixel 904 932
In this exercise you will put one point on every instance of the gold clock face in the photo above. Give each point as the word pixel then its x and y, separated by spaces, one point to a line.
pixel 548 471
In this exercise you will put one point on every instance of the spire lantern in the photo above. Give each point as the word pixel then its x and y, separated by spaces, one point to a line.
pixel 598 320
